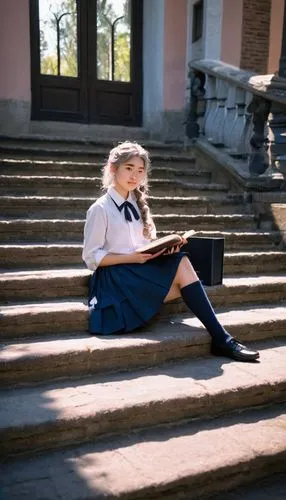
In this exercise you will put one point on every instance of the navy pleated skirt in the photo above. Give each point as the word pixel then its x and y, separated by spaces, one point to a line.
pixel 126 296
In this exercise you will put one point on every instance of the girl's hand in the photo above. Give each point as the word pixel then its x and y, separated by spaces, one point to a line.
pixel 174 249
pixel 141 258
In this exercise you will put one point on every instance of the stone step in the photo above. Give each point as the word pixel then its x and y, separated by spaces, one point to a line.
pixel 54 230
pixel 68 134
pixel 91 152
pixel 69 207
pixel 69 387
pixel 171 462
pixel 71 315
pixel 43 318
pixel 65 283
pixel 214 222
pixel 46 284
pixel 273 486
pixel 91 186
pixel 234 240
pixel 160 168
pixel 70 141
pixel 29 360
pixel 39 255
pixel 175 162
pixel 73 411
pixel 254 262
pixel 68 254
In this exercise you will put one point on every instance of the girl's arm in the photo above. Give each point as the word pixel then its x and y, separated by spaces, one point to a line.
pixel 94 254
pixel 94 236
pixel 112 259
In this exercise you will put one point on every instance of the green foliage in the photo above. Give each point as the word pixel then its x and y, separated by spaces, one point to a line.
pixel 106 17
pixel 65 16
pixel 49 65
pixel 122 57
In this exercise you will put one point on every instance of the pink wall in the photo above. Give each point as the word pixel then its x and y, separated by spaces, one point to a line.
pixel 175 54
pixel 231 31
pixel 276 29
pixel 15 50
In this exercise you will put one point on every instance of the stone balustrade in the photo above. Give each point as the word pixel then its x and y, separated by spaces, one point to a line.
pixel 240 111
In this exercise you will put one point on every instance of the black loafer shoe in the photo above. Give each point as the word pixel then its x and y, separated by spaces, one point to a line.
pixel 235 350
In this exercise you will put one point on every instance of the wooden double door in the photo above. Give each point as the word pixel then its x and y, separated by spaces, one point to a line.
pixel 86 60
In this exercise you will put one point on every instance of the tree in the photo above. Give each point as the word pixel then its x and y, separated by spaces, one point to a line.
pixel 69 38
pixel 49 65
pixel 122 57
pixel 108 19
pixel 43 43
pixel 62 24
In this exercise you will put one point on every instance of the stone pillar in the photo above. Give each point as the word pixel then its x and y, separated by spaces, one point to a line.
pixel 175 68
pixel 153 65
pixel 213 29
pixel 164 68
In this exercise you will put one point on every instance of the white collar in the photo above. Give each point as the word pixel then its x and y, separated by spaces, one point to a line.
pixel 117 197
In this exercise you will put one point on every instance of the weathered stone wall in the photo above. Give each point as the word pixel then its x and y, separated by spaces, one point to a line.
pixel 255 35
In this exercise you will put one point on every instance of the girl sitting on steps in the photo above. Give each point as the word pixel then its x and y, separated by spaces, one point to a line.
pixel 128 288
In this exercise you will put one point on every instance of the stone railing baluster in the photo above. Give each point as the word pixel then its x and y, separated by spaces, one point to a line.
pixel 244 146
pixel 197 91
pixel 211 104
pixel 238 125
pixel 258 161
pixel 219 116
pixel 244 112
pixel 277 138
pixel 230 116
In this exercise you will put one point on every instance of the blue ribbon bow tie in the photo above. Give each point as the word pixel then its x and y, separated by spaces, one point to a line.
pixel 127 206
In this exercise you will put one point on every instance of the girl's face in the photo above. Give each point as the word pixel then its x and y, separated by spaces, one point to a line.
pixel 129 175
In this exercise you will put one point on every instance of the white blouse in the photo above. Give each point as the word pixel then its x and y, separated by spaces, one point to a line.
pixel 107 231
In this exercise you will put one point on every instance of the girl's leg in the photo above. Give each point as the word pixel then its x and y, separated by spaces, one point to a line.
pixel 187 285
pixel 185 275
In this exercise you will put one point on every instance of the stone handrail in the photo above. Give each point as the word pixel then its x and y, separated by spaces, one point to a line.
pixel 240 111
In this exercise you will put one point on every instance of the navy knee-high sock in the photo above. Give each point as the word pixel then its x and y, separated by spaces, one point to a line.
pixel 197 300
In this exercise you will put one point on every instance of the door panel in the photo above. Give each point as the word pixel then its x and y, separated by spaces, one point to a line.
pixel 118 98
pixel 57 53
pixel 113 101
pixel 87 60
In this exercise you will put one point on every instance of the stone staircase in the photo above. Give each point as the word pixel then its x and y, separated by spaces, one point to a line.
pixel 149 415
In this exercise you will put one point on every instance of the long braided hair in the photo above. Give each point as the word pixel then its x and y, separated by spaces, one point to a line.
pixel 121 154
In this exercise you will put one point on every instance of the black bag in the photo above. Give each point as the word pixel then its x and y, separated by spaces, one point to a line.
pixel 206 256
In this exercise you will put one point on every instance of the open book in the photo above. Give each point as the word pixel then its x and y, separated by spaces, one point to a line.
pixel 165 242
